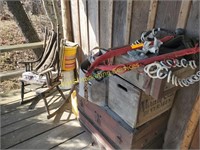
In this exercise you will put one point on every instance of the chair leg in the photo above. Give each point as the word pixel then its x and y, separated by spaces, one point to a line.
pixel 70 113
pixel 59 112
pixel 59 115
pixel 22 92
pixel 46 104
pixel 61 93
pixel 35 100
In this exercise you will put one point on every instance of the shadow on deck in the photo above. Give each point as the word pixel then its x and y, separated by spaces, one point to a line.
pixel 25 129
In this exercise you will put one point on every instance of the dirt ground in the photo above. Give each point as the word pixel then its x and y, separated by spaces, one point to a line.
pixel 11 34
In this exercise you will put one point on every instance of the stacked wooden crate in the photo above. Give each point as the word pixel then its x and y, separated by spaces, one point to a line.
pixel 125 112
pixel 113 133
pixel 134 105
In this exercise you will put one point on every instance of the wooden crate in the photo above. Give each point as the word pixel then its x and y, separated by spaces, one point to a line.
pixel 113 132
pixel 133 105
pixel 153 87
pixel 134 76
pixel 96 90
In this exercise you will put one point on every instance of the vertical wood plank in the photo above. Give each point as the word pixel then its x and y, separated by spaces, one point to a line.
pixel 195 144
pixel 66 19
pixel 119 21
pixel 106 14
pixel 183 104
pixel 93 23
pixel 167 14
pixel 192 27
pixel 128 21
pixel 75 21
pixel 139 19
pixel 152 14
pixel 83 27
pixel 76 30
pixel 183 14
pixel 191 125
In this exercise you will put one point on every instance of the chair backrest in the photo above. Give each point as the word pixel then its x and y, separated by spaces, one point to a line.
pixel 49 58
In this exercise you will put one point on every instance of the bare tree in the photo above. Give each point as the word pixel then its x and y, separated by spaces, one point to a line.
pixel 53 12
pixel 24 23
pixel 1 7
pixel 48 7
pixel 35 7
pixel 57 11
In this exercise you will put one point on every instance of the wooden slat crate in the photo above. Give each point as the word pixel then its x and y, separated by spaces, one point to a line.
pixel 154 87
pixel 133 105
pixel 114 133
pixel 96 91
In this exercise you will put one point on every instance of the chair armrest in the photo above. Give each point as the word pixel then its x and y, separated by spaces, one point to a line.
pixel 46 71
pixel 48 74
pixel 28 64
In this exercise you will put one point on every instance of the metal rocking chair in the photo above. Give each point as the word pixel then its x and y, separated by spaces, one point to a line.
pixel 46 73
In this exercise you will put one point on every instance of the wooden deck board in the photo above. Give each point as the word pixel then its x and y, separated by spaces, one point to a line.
pixel 13 97
pixel 13 106
pixel 25 133
pixel 18 115
pixel 23 113
pixel 79 142
pixel 57 135
pixel 22 129
pixel 10 97
pixel 90 147
pixel 22 123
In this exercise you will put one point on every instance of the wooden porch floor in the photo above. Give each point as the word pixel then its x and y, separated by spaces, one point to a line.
pixel 25 129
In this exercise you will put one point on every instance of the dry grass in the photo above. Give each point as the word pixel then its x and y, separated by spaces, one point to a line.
pixel 10 35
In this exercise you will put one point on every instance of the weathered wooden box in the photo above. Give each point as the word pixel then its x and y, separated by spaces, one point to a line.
pixel 153 87
pixel 113 133
pixel 133 105
pixel 134 76
pixel 95 91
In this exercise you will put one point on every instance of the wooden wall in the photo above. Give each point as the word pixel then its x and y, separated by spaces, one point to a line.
pixel 111 23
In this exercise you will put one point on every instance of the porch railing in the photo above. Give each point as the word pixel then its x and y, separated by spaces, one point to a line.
pixel 8 48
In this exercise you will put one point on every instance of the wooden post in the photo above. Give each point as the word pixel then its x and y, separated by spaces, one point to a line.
pixel 182 110
pixel 152 14
pixel 191 125
pixel 195 143
pixel 93 23
pixel 128 21
pixel 76 21
pixel 84 27
pixel 106 23
pixel 183 13
pixel 66 20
